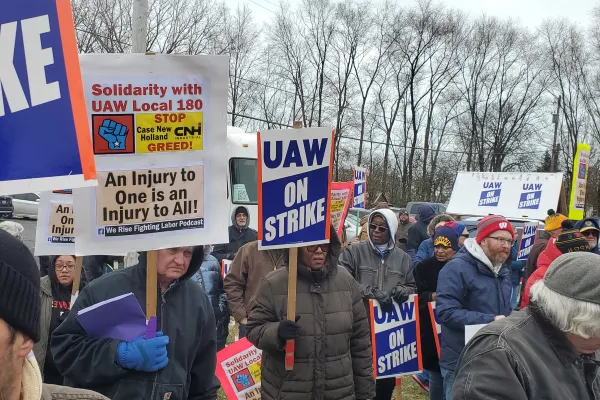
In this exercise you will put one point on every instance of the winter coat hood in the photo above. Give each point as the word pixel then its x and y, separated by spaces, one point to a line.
pixel 392 223
pixel 238 210
pixel 476 251
pixel 195 262
pixel 426 213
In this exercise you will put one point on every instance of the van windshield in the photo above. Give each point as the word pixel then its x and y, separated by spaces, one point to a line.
pixel 244 180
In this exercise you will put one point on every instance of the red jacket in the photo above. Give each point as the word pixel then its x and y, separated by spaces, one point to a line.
pixel 550 253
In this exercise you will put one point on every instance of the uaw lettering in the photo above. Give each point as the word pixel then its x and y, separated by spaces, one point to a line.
pixel 490 196
pixel 294 182
pixel 360 186
pixel 395 339
pixel 531 196
pixel 527 240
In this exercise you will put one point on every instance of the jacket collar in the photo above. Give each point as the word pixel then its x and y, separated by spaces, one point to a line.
pixel 485 269
pixel 46 286
pixel 316 276
pixel 31 381
pixel 563 349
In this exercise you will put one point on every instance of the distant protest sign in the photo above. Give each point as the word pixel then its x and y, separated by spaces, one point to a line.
pixel 158 125
pixel 341 199
pixel 437 328
pixel 579 184
pixel 360 187
pixel 528 236
pixel 239 370
pixel 225 266
pixel 44 131
pixel 55 233
pixel 511 194
pixel 294 181
pixel 396 339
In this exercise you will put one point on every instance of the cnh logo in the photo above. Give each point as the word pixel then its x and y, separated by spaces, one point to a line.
pixel 502 225
pixel 185 131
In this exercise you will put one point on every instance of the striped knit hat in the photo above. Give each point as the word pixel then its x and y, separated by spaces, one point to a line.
pixel 491 224
pixel 570 239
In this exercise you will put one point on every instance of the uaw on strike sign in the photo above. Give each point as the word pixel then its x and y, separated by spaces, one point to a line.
pixel 44 142
pixel 294 181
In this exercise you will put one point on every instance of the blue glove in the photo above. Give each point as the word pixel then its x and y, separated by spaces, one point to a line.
pixel 141 354
pixel 114 133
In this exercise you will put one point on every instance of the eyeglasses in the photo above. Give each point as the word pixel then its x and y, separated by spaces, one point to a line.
pixel 313 249
pixel 381 229
pixel 69 267
pixel 589 232
pixel 502 241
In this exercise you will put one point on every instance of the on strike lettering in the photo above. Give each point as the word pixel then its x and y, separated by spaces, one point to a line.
pixel 36 59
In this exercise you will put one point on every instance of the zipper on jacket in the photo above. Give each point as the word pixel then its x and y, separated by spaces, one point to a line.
pixel 381 274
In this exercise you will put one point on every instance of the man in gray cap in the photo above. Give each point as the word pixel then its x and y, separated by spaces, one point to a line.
pixel 549 350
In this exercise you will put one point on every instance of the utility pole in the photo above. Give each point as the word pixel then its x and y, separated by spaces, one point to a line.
pixel 139 30
pixel 555 118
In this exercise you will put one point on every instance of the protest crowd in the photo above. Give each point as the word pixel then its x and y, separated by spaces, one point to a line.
pixel 544 350
pixel 150 282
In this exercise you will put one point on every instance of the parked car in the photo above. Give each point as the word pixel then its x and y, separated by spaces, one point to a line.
pixel 413 208
pixel 6 207
pixel 26 205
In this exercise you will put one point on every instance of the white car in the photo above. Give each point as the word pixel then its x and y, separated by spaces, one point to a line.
pixel 26 205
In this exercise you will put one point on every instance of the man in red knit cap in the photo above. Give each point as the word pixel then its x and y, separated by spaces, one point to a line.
pixel 473 288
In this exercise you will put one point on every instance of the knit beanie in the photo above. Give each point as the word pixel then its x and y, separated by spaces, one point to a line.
pixel 570 239
pixel 19 287
pixel 446 236
pixel 491 224
pixel 553 220
pixel 576 276
pixel 459 227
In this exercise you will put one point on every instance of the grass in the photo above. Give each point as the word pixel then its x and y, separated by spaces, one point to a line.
pixel 410 390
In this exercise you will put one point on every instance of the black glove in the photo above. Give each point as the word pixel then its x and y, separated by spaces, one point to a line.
pixel 384 298
pixel 288 329
pixel 398 296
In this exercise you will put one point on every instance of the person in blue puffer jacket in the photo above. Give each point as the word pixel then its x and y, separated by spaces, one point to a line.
pixel 209 276
pixel 473 288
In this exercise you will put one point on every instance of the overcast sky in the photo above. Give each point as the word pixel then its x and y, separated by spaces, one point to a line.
pixel 530 12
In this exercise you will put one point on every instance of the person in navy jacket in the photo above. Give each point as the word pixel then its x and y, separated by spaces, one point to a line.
pixel 474 288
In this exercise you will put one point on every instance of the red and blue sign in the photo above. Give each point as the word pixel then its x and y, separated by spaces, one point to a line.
pixel 435 325
pixel 294 182
pixel 528 236
pixel 396 339
pixel 45 136
pixel 360 187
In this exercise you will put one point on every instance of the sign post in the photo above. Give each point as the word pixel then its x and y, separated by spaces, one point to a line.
pixel 295 171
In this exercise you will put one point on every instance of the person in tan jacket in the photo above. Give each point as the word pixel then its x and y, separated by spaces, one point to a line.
pixel 247 270
pixel 20 378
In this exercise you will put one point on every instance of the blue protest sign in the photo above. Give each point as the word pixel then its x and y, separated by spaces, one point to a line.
pixel 360 187
pixel 527 241
pixel 395 337
pixel 294 182
pixel 44 130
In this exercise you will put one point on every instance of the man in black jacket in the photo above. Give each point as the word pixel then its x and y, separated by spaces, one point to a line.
pixel 178 364
pixel 240 233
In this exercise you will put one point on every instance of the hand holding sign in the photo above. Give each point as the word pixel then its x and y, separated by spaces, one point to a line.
pixel 114 133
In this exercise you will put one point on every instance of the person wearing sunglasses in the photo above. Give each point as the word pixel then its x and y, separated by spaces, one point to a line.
pixel 473 288
pixel 332 357
pixel 590 229
pixel 383 272
pixel 55 290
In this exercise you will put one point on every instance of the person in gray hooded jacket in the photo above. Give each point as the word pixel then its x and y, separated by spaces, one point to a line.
pixel 382 270
pixel 240 233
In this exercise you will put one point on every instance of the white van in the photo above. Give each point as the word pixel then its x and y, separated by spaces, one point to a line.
pixel 242 172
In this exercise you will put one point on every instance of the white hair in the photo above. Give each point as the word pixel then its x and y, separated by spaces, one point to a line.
pixel 14 228
pixel 580 318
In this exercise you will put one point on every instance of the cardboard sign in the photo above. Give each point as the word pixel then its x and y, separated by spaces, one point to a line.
pixel 294 185
pixel 341 198
pixel 158 128
pixel 579 184
pixel 225 266
pixel 437 328
pixel 527 241
pixel 55 233
pixel 45 133
pixel 396 339
pixel 239 370
pixel 471 330
pixel 511 194
pixel 360 187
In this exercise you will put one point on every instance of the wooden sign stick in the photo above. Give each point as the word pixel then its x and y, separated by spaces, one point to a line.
pixel 77 279
pixel 291 306
pixel 398 389
pixel 151 291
